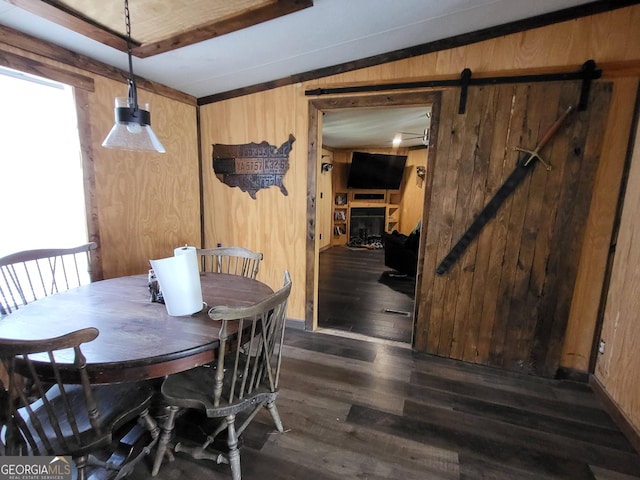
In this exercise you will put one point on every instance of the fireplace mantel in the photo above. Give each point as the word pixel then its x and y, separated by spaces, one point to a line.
pixel 387 202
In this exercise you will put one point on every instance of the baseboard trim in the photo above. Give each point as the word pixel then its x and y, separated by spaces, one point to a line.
pixel 359 336
pixel 565 373
pixel 294 324
pixel 610 405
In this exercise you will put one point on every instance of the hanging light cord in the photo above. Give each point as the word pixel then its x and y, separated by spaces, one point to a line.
pixel 132 128
pixel 133 94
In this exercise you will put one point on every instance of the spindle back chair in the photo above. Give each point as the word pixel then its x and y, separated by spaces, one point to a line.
pixel 32 274
pixel 244 378
pixel 63 414
pixel 233 260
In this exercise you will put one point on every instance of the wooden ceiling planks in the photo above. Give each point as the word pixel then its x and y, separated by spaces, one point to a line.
pixel 159 26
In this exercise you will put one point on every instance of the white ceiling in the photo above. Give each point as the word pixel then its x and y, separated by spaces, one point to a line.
pixel 329 33
pixel 348 128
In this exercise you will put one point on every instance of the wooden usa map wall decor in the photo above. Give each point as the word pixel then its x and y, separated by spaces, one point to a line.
pixel 252 166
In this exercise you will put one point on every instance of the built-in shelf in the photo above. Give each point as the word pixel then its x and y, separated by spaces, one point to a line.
pixel 392 217
pixel 340 218
pixel 345 202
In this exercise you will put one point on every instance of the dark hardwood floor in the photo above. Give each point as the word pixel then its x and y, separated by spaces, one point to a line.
pixel 358 294
pixel 357 409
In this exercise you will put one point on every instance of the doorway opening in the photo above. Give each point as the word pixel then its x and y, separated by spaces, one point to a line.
pixel 354 291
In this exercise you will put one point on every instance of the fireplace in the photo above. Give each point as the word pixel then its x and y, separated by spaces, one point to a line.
pixel 366 227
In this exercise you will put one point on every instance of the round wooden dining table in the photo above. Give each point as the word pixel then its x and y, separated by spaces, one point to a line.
pixel 138 339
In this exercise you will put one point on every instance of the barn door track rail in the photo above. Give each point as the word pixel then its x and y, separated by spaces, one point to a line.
pixel 587 73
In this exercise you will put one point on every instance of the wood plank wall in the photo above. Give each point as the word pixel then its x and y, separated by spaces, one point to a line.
pixel 131 211
pixel 505 301
pixel 607 38
pixel 147 203
pixel 140 206
pixel 617 368
pixel 413 189
pixel 273 223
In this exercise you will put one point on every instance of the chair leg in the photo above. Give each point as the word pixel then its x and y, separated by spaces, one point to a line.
pixel 150 424
pixel 165 436
pixel 234 453
pixel 271 406
pixel 81 463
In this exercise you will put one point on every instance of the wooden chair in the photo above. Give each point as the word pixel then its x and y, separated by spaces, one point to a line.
pixel 32 274
pixel 68 415
pixel 234 260
pixel 244 378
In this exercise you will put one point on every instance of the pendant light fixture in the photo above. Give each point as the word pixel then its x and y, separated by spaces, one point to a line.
pixel 132 130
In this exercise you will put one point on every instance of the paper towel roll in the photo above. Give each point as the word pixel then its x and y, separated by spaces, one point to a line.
pixel 183 250
pixel 179 281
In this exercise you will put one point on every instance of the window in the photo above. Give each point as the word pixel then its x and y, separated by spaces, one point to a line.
pixel 42 195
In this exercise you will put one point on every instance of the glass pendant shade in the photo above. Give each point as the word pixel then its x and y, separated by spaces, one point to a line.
pixel 132 130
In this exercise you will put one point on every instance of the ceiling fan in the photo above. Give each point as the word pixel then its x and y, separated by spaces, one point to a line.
pixel 424 136
pixel 412 136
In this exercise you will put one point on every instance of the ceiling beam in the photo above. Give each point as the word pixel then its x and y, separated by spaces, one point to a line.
pixel 66 17
pixel 217 28
pixel 14 38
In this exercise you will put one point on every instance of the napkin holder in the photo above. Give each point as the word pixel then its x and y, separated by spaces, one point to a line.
pixel 154 288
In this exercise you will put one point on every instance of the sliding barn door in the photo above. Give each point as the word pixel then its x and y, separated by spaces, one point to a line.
pixel 505 302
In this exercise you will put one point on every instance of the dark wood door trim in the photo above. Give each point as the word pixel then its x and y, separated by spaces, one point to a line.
pixel 316 107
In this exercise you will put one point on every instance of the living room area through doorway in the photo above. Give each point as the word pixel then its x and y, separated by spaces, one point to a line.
pixel 358 294
pixel 370 189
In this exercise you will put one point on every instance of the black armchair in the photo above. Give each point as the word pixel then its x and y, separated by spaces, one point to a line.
pixel 401 251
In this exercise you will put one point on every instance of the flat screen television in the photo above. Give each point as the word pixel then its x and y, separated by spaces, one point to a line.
pixel 376 171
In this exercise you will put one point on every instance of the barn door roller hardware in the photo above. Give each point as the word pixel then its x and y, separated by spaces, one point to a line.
pixel 587 73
